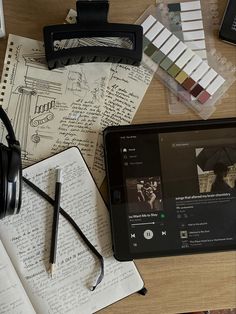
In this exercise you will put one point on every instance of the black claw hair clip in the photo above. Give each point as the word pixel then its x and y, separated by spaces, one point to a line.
pixel 96 39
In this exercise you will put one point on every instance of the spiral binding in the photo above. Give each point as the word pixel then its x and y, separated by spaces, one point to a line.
pixel 5 73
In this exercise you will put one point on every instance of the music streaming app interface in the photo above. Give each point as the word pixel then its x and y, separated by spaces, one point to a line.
pixel 180 189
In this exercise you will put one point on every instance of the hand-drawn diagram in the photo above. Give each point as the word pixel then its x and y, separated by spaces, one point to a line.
pixel 40 102
pixel 126 88
pixel 36 137
pixel 77 83
pixel 22 116
pixel 35 63
pixel 43 108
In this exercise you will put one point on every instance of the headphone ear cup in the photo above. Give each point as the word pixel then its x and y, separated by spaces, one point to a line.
pixel 2 210
pixel 3 178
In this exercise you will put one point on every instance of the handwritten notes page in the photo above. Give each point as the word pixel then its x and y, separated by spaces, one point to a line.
pixel 27 238
pixel 51 110
pixel 13 298
pixel 126 89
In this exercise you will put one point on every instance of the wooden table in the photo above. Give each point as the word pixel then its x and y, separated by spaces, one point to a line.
pixel 175 284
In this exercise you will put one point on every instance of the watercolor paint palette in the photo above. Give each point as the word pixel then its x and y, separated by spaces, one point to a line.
pixel 184 71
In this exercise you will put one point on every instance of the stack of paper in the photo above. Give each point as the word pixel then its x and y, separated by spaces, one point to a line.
pixel 71 106
pixel 51 111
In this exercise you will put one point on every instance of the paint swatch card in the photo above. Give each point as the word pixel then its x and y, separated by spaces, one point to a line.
pixel 184 71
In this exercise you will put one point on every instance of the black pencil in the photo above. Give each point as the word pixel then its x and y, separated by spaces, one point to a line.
pixel 53 251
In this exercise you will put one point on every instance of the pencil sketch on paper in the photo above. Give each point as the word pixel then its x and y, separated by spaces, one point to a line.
pixel 38 135
pixel 77 84
pixel 43 110
pixel 125 90
pixel 32 108
pixel 22 116
pixel 35 64
pixel 42 103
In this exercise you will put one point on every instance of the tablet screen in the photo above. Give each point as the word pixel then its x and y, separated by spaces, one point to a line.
pixel 179 189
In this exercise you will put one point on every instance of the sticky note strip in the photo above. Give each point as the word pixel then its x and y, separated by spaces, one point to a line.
pixel 177 51
pixel 159 41
pixel 206 80
pixel 190 26
pixel 194 35
pixel 200 71
pixel 192 65
pixel 197 44
pixel 212 88
pixel 181 62
pixel 215 85
pixel 186 56
pixel 191 16
pixel 188 69
pixel 148 23
pixel 189 6
pixel 154 31
pixel 171 42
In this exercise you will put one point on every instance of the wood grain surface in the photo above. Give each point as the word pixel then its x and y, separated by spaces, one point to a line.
pixel 175 284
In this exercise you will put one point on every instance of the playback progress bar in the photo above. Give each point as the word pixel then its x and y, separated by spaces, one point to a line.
pixel 143 223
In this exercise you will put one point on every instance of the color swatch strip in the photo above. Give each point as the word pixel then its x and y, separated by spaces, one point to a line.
pixel 183 64
pixel 187 24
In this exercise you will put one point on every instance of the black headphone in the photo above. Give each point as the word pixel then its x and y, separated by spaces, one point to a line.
pixel 10 171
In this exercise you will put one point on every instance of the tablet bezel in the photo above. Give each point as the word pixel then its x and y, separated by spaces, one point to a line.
pixel 118 211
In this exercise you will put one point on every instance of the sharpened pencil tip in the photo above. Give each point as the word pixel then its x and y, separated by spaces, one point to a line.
pixel 51 269
pixel 59 175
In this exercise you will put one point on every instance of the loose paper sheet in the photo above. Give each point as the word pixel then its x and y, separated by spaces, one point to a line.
pixel 27 238
pixel 51 110
pixel 13 298
pixel 126 89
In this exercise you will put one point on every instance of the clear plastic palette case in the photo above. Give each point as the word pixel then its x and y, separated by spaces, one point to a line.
pixel 175 47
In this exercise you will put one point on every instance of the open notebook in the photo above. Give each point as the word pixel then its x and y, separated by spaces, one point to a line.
pixel 24 255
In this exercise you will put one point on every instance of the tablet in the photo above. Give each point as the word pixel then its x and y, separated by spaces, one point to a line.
pixel 172 187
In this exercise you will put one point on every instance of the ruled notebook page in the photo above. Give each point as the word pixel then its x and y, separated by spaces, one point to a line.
pixel 13 298
pixel 28 238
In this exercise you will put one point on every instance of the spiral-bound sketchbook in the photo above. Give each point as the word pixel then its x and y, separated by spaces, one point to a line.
pixel 51 110
pixel 26 238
